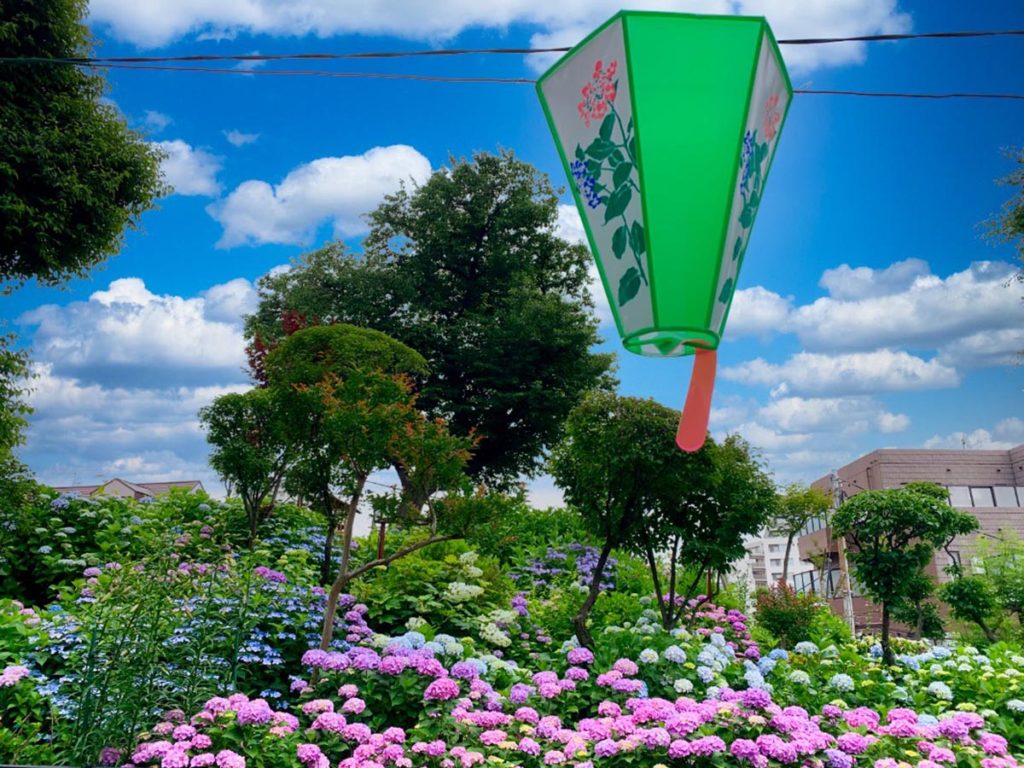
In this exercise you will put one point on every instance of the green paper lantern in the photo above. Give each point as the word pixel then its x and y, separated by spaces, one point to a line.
pixel 667 125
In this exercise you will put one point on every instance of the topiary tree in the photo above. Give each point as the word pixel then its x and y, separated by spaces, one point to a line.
pixel 343 395
pixel 895 534
pixel 73 176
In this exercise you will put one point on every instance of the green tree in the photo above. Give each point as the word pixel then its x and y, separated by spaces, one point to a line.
pixel 971 598
pixel 73 176
pixel 14 373
pixel 250 452
pixel 466 269
pixel 344 394
pixel 918 611
pixel 797 505
pixel 612 464
pixel 895 533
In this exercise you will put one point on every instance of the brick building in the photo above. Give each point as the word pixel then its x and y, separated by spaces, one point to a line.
pixel 988 484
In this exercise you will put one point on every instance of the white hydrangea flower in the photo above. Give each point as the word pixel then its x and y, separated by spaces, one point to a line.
pixel 684 686
pixel 648 656
pixel 460 592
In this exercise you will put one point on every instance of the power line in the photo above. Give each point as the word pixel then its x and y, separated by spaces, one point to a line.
pixel 327 56
pixel 510 80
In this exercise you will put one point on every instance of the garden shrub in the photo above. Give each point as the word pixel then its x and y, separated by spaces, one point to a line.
pixel 788 616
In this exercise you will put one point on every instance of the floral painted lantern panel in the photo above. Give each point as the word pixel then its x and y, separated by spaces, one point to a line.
pixel 667 125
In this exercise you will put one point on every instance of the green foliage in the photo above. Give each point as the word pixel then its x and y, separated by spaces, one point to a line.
pixel 797 505
pixel 65 534
pixel 896 533
pixel 13 408
pixel 1008 226
pixel 454 586
pixel 467 270
pixel 971 598
pixel 72 174
pixel 918 610
pixel 250 452
pixel 786 615
pixel 517 530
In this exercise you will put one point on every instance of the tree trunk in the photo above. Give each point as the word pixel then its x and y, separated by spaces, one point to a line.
pixel 325 564
pixel 989 634
pixel 919 624
pixel 887 658
pixel 652 563
pixel 785 562
pixel 579 622
pixel 380 540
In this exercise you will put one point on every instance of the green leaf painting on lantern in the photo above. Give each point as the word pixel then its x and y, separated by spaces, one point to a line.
pixel 605 173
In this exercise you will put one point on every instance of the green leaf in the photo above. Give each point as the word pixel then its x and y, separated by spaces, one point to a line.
pixel 629 285
pixel 600 148
pixel 605 132
pixel 622 173
pixel 737 249
pixel 747 217
pixel 619 241
pixel 726 293
pixel 617 203
pixel 636 239
pixel 594 168
pixel 580 155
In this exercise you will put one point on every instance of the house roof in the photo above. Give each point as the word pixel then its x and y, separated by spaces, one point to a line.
pixel 139 489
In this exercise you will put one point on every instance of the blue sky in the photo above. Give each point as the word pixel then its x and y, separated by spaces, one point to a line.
pixel 871 311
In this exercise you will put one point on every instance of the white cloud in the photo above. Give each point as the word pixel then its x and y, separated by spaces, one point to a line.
pixel 157 23
pixel 846 282
pixel 191 171
pixel 87 431
pixel 1006 434
pixel 129 334
pixel 155 121
pixel 769 438
pixel 808 373
pixel 239 139
pixel 831 414
pixel 339 190
pixel 872 310
pixel 570 227
pixel 757 312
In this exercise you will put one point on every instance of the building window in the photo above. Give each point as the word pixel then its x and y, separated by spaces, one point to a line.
pixel 1020 495
pixel 774 547
pixel 776 561
pixel 960 496
pixel 954 555
pixel 981 496
pixel 1005 496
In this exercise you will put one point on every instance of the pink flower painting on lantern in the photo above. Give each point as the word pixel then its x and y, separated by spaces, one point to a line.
pixel 599 93
pixel 772 117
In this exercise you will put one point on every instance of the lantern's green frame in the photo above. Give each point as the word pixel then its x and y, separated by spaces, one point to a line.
pixel 642 45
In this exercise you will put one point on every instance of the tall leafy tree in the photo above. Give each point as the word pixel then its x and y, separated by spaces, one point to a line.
pixel 468 270
pixel 250 452
pixel 73 176
pixel 612 464
pixel 895 534
pixel 797 505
